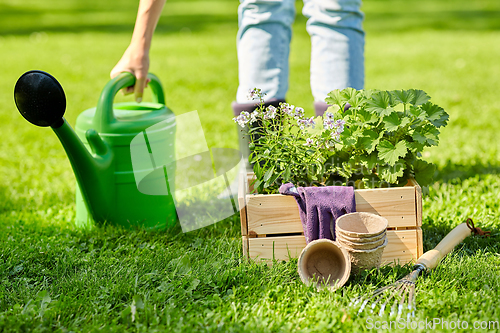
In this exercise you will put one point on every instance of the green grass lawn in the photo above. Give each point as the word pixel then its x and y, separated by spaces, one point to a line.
pixel 55 277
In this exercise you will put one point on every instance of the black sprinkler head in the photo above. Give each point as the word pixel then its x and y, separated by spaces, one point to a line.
pixel 40 99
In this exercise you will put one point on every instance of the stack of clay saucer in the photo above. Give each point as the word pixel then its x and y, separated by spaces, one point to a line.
pixel 363 235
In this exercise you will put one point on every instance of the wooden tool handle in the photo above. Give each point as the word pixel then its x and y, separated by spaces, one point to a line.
pixel 432 258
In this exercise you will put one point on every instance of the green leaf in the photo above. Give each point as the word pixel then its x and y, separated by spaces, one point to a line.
pixel 421 97
pixel 269 173
pixel 257 184
pixel 287 173
pixel 257 170
pixel 418 112
pixel 427 135
pixel 415 147
pixel 367 117
pixel 390 153
pixel 435 114
pixel 352 96
pixel 369 140
pixel 392 122
pixel 345 171
pixel 424 172
pixel 380 103
pixel 404 121
pixel 336 97
pixel 349 137
pixel 369 161
pixel 391 173
pixel 403 96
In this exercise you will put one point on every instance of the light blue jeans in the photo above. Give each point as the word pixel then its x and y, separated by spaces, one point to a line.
pixel 263 42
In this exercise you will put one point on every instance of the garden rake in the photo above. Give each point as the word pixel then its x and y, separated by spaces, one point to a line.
pixel 403 290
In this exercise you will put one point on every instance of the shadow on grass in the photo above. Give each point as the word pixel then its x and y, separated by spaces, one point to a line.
pixel 91 16
pixel 453 173
pixel 434 232
pixel 472 20
pixel 72 16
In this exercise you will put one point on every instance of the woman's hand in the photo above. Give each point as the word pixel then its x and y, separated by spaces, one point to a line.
pixel 135 60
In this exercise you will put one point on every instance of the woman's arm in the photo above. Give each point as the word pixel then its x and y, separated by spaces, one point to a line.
pixel 136 57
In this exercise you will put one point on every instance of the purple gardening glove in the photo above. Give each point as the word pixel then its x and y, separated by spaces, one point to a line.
pixel 321 206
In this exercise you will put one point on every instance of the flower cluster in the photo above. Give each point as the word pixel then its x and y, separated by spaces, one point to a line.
pixel 298 113
pixel 270 112
pixel 254 93
pixel 309 142
pixel 243 118
pixel 306 122
pixel 336 126
pixel 287 109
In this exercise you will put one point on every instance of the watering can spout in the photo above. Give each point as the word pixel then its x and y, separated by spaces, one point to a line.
pixel 41 100
pixel 93 172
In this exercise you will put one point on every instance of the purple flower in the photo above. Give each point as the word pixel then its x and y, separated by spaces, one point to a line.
pixel 307 122
pixel 287 108
pixel 242 119
pixel 254 93
pixel 328 123
pixel 329 116
pixel 253 116
pixel 270 113
pixel 299 112
pixel 340 125
pixel 309 142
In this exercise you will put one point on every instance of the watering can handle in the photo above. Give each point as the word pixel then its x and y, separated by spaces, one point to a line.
pixel 104 112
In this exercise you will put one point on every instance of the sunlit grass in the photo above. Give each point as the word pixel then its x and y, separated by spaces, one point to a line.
pixel 55 277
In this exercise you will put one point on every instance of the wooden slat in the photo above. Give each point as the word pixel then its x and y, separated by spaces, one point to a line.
pixel 277 214
pixel 396 204
pixel 242 186
pixel 420 243
pixel 418 201
pixel 244 240
pixel 273 214
pixel 284 247
pixel 401 247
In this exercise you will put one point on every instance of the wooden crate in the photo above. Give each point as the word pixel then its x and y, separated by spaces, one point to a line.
pixel 271 226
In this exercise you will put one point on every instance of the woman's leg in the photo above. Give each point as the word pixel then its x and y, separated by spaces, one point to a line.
pixel 263 44
pixel 337 46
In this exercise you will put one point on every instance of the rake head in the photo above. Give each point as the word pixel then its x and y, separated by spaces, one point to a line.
pixel 400 296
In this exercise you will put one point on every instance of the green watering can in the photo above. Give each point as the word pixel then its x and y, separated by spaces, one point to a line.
pixel 108 187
